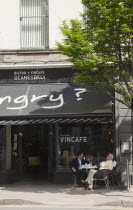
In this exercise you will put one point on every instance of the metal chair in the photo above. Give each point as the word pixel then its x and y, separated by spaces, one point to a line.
pixel 113 177
pixel 74 180
pixel 103 175
pixel 105 179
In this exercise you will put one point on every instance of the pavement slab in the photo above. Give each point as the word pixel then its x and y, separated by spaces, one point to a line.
pixel 18 202
pixel 40 193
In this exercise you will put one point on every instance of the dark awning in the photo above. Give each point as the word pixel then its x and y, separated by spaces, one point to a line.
pixel 59 120
pixel 51 99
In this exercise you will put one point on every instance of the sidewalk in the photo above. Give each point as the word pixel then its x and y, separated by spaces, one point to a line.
pixel 41 193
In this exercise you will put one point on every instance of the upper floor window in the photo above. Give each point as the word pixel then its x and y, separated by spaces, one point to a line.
pixel 34 23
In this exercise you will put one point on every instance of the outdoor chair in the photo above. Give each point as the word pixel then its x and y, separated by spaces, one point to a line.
pixel 75 176
pixel 103 175
pixel 76 179
pixel 113 177
pixel 106 181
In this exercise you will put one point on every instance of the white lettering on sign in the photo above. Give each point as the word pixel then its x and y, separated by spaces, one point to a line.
pixel 22 101
pixel 4 98
pixel 60 98
pixel 29 75
pixel 73 139
pixel 34 98
pixel 79 91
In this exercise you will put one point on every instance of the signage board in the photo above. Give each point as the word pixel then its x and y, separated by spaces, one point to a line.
pixel 36 76
pixel 47 99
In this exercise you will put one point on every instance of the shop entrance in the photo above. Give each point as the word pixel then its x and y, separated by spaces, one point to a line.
pixel 30 150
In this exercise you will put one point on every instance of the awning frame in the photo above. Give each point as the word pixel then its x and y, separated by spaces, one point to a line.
pixel 57 120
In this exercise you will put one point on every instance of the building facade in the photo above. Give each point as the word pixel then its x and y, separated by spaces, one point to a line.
pixel 45 119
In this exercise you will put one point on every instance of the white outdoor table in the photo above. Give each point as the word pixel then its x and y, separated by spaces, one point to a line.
pixel 89 167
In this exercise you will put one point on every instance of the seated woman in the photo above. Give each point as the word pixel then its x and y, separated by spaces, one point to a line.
pixel 106 165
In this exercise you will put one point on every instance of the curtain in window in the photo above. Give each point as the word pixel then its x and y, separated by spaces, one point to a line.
pixel 34 23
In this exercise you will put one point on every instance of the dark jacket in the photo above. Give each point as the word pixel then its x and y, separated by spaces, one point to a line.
pixel 75 163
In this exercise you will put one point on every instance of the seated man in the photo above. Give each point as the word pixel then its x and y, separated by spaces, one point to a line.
pixel 76 166
pixel 104 167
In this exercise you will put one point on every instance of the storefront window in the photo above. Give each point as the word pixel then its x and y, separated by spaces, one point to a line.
pixel 95 141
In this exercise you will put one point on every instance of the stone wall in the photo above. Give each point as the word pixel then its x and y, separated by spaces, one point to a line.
pixel 124 133
pixel 31 56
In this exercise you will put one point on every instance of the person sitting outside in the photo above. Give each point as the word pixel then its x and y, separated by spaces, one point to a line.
pixel 76 166
pixel 104 167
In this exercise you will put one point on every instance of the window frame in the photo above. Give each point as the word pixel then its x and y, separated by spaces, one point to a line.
pixel 46 32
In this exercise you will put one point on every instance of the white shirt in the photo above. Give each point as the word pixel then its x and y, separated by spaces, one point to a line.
pixel 80 165
pixel 114 163
pixel 106 165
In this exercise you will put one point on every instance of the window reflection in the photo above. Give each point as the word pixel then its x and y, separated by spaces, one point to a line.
pixel 95 141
